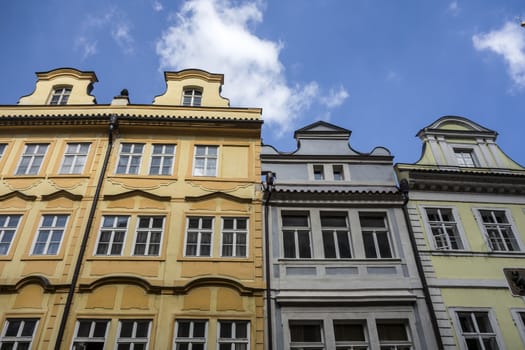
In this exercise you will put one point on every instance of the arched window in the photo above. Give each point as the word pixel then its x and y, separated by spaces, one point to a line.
pixel 60 95
pixel 192 96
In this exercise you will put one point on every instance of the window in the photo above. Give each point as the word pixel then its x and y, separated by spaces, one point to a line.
pixel 162 160
pixel 60 96
pixel 444 229
pixel 393 335
pixel 336 235
pixel 519 320
pixel 90 334
pixel 296 235
pixel 192 97
pixel 198 236
pixel 318 172
pixel 8 227
pixel 148 236
pixel 2 149
pixel 205 162
pixel 476 331
pixel 190 334
pixel 32 159
pixel 375 235
pixel 74 158
pixel 50 235
pixel 234 237
pixel 466 158
pixel 133 335
pixel 18 333
pixel 498 230
pixel 129 158
pixel 338 172
pixel 350 335
pixel 112 235
pixel 234 335
pixel 306 335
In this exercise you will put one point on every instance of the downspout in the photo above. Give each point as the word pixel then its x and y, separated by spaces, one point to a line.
pixel 113 126
pixel 403 187
pixel 268 188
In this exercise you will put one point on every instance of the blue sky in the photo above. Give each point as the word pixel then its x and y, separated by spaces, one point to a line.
pixel 381 68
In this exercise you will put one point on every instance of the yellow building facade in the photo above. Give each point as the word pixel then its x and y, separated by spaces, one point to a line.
pixel 130 226
pixel 466 204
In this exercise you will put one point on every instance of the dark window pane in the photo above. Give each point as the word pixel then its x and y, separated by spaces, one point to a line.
pixel 304 244
pixel 183 329
pixel 344 244
pixel 392 331
pixel 289 244
pixel 329 246
pixel 305 333
pixel 368 240
pixel 349 332
pixel 295 220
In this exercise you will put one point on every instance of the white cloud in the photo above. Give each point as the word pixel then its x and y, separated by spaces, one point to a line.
pixel 509 42
pixel 123 38
pixel 88 47
pixel 113 22
pixel 453 8
pixel 217 36
pixel 335 98
pixel 157 6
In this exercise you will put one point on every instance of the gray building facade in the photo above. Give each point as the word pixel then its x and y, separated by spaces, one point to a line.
pixel 340 265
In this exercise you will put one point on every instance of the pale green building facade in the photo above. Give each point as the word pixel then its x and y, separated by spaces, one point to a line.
pixel 466 206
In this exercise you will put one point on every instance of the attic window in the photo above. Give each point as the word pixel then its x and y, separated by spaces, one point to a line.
pixel 192 97
pixel 465 157
pixel 60 95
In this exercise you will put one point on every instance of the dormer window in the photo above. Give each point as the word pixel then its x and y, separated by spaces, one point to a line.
pixel 192 97
pixel 465 157
pixel 318 172
pixel 60 95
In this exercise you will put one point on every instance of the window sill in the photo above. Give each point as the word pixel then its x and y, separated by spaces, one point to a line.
pixel 143 177
pixel 340 261
pixel 460 253
pixel 42 257
pixel 125 258
pixel 214 259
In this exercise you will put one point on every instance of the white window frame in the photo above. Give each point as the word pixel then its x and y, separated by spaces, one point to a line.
pixel 457 221
pixel 165 158
pixel 90 338
pixel 199 231
pixel 295 233
pixel 327 172
pixel 334 234
pixel 341 170
pixel 519 321
pixel 126 158
pixel 206 157
pixel 459 332
pixel 191 340
pixel 149 231
pixel 6 229
pixel 112 229
pixel 235 232
pixel 374 231
pixel 192 96
pixel 50 230
pixel 62 94
pixel 133 340
pixel 37 157
pixel 78 155
pixel 234 340
pixel 18 338
pixel 510 224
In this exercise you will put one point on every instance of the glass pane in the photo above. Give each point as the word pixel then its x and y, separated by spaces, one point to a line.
pixel 372 220
pixel 344 245
pixel 83 328
pixel 12 328
pixel 392 331
pixel 305 333
pixel 466 322
pixel 183 329
pixel 483 322
pixel 199 329
pixel 333 220
pixel 329 246
pixel 142 329
pixel 295 220
pixel 349 332
pixel 304 244
pixel 241 330
pixel 289 244
pixel 126 329
pixel 100 329
pixel 226 330
pixel 384 246
pixel 368 240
